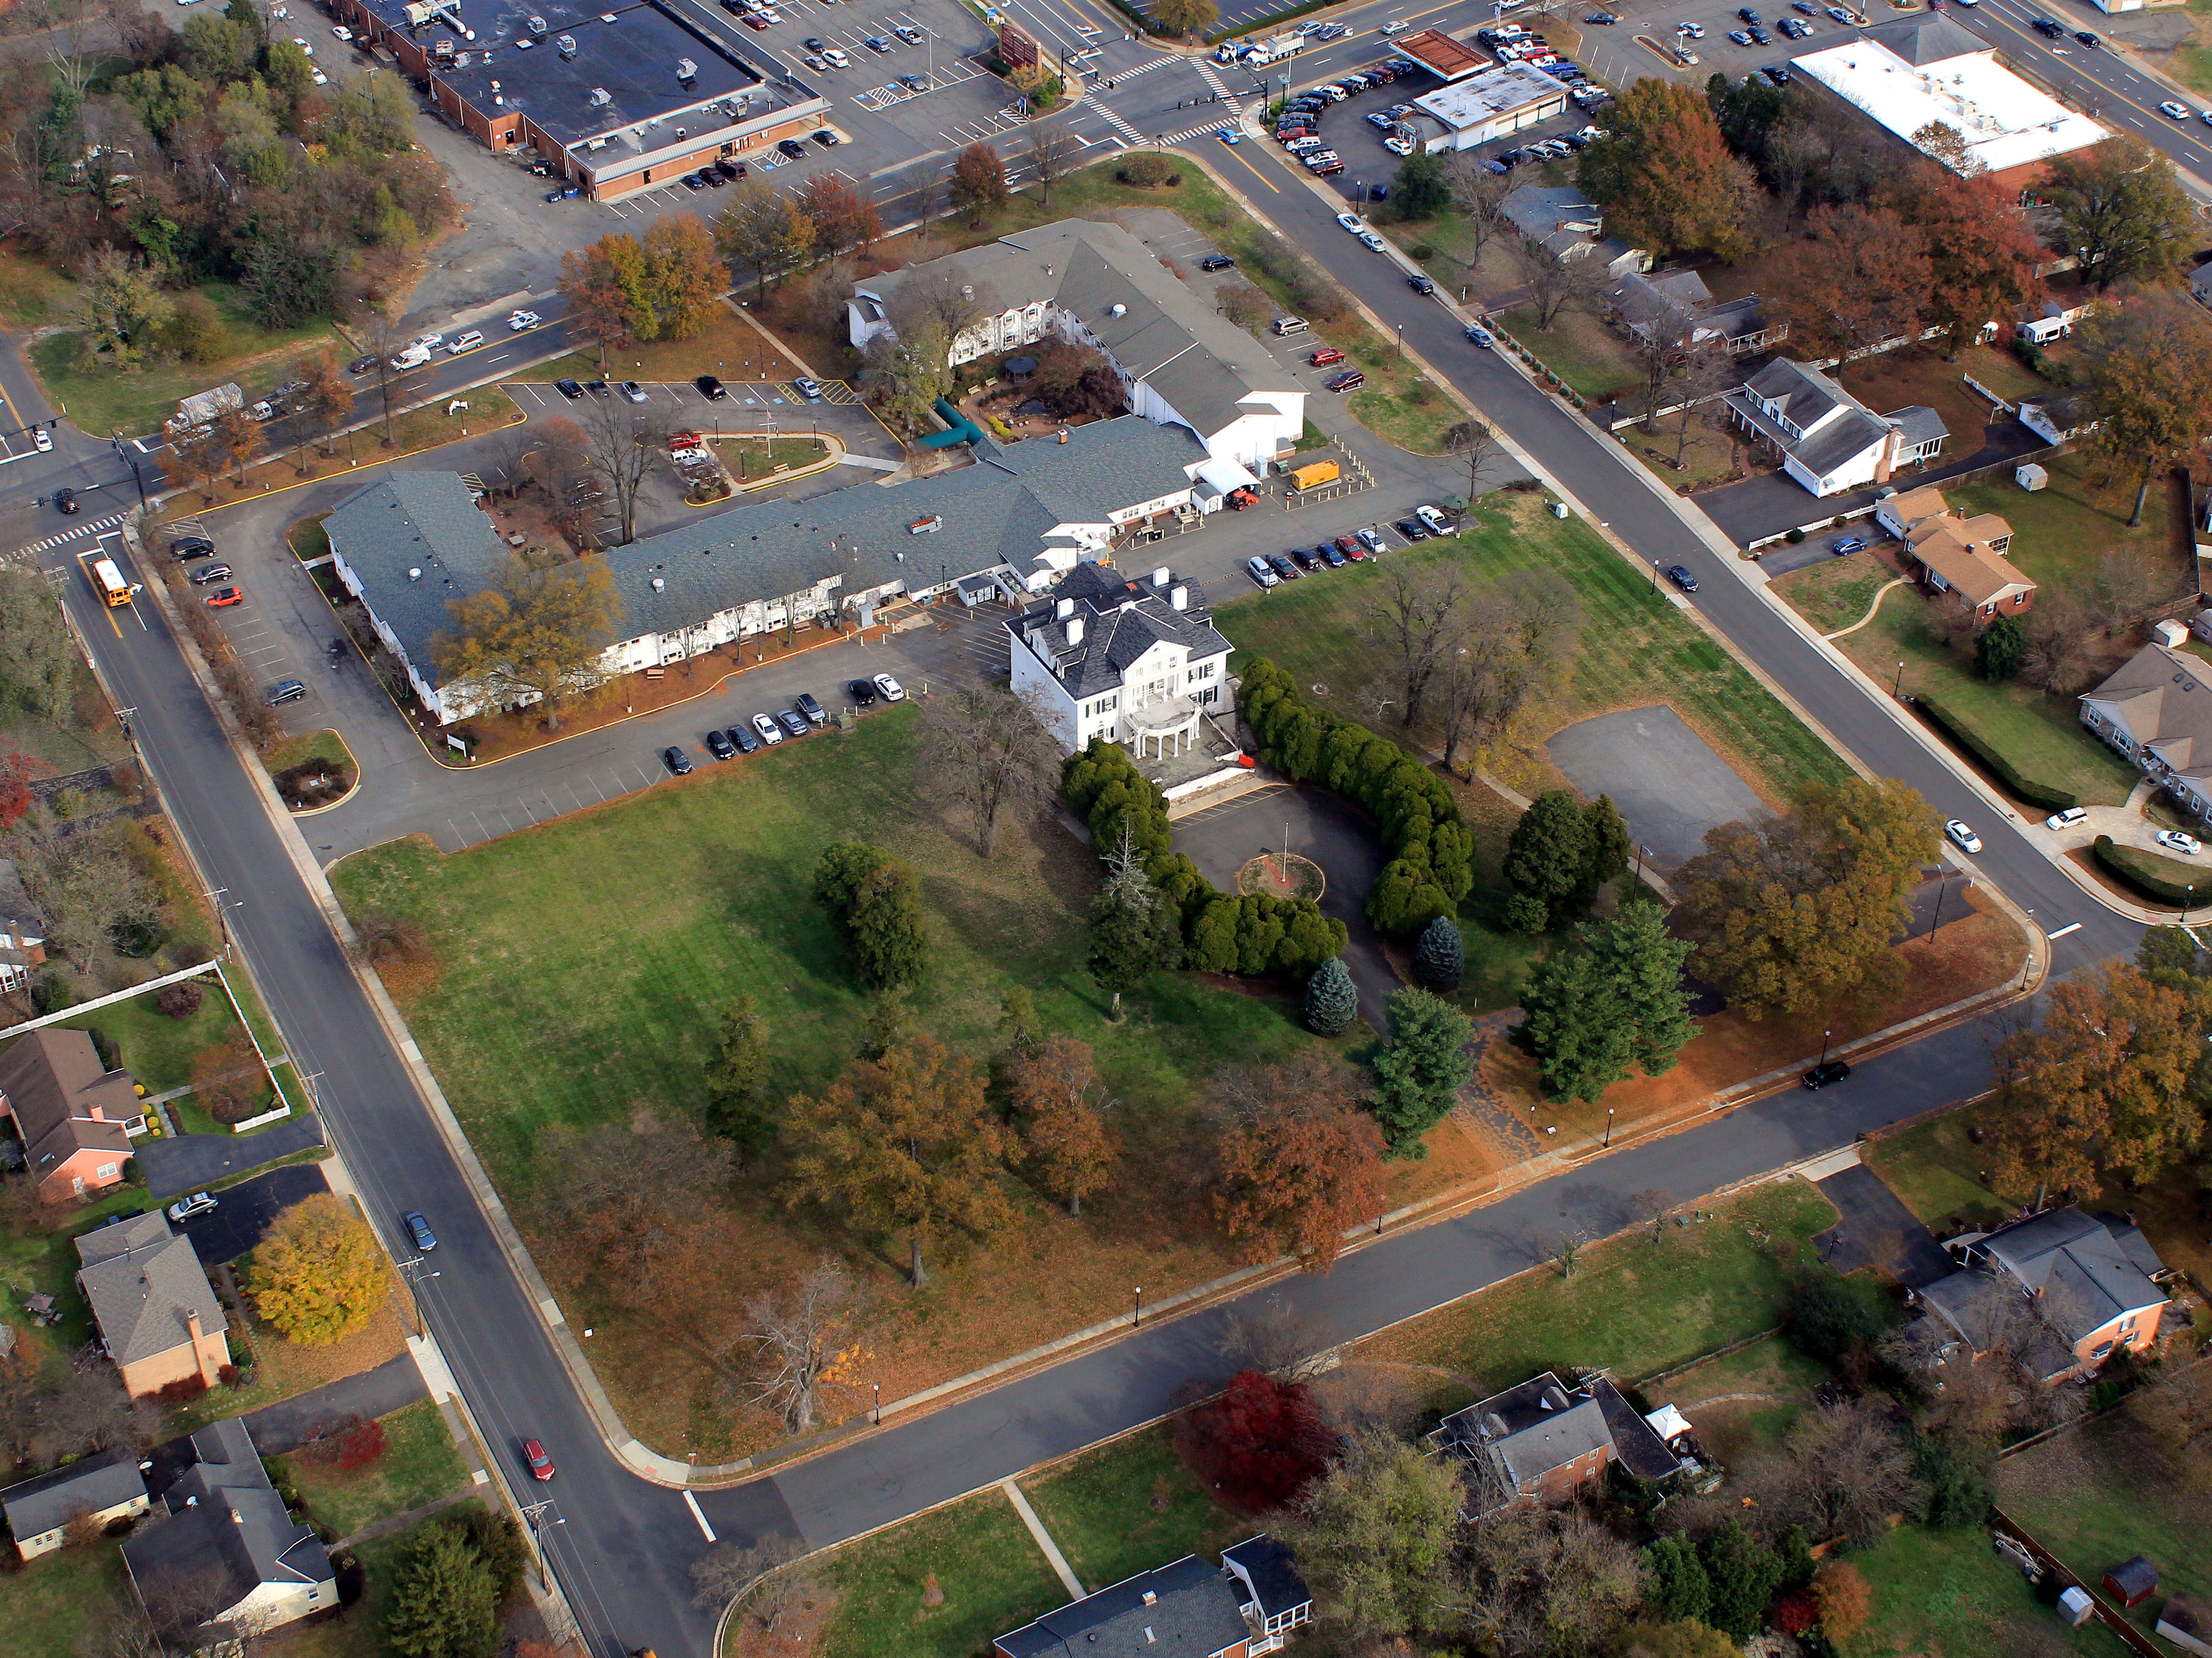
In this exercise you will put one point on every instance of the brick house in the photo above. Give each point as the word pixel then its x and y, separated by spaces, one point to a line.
pixel 1251 1605
pixel 158 1316
pixel 1957 559
pixel 2090 1281
pixel 76 1117
pixel 1539 1444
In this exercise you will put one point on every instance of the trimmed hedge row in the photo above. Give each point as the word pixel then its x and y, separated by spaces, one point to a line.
pixel 1254 935
pixel 1431 848
pixel 2027 789
pixel 2140 870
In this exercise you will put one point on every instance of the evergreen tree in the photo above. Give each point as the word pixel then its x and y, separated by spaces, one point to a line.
pixel 1678 1588
pixel 1999 650
pixel 1608 847
pixel 444 1603
pixel 1441 960
pixel 1332 1000
pixel 888 941
pixel 1134 932
pixel 1418 1075
pixel 1960 1472
pixel 738 1104
pixel 1420 190
pixel 1643 962
pixel 1547 858
pixel 1576 1025
pixel 1743 1574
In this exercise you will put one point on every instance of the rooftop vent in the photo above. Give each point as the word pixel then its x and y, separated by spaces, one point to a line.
pixel 523 44
pixel 658 584
pixel 686 70
pixel 606 17
pixel 600 95
pixel 1117 310
pixel 1179 596
pixel 415 573
pixel 967 292
pixel 1151 1599
pixel 566 45
pixel 1555 1400
pixel 1065 608
pixel 537 26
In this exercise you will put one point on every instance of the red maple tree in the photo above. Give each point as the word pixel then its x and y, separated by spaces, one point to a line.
pixel 1258 1446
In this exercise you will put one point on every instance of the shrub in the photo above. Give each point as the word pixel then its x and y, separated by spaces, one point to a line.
pixel 179 1001
pixel 227 1376
pixel 1259 1445
pixel 2048 796
pixel 357 1445
pixel 1146 172
pixel 1827 1319
pixel 183 1390
pixel 1795 537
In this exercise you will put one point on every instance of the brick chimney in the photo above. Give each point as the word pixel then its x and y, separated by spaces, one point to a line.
pixel 1886 463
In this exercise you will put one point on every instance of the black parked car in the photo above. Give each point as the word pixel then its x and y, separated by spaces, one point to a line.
pixel 1282 567
pixel 65 503
pixel 677 762
pixel 792 147
pixel 192 547
pixel 720 746
pixel 1303 558
pixel 1821 1075
pixel 569 389
pixel 746 741
pixel 1215 262
pixel 1681 576
pixel 863 692
pixel 1420 284
pixel 710 388
pixel 1412 528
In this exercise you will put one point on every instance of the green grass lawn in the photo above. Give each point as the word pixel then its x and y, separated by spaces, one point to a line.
pixel 2108 1491
pixel 2062 532
pixel 1635 647
pixel 1933 1167
pixel 103 400
pixel 324 745
pixel 419 1465
pixel 2041 735
pixel 1949 1593
pixel 1834 595
pixel 1415 418
pixel 1580 349
pixel 579 960
pixel 1634 1305
pixel 994 1577
pixel 157 1049
pixel 49 1605
pixel 308 538
pixel 1129 1506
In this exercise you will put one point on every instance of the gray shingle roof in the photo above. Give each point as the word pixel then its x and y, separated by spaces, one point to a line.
pixel 1929 38
pixel 226 1524
pixel 1918 424
pixel 1198 361
pixel 1806 394
pixel 1122 620
pixel 2087 1279
pixel 99 1483
pixel 1540 1425
pixel 1192 1614
pixel 1276 1579
pixel 143 1282
pixel 996 512
pixel 1537 210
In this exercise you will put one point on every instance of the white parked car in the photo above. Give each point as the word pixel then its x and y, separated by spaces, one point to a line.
pixel 41 439
pixel 1374 243
pixel 200 1203
pixel 769 731
pixel 2177 841
pixel 1351 223
pixel 2066 819
pixel 342 33
pixel 891 690
pixel 1398 146
pixel 301 41
pixel 1965 837
pixel 522 319
pixel 1257 569
pixel 318 78
pixel 830 54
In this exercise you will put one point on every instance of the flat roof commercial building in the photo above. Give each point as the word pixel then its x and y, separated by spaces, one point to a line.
pixel 618 100
pixel 1442 55
pixel 1489 103
pixel 1926 72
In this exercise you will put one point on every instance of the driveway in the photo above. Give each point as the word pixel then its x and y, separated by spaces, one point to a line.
pixel 291 1422
pixel 1670 787
pixel 1223 838
pixel 243 1213
pixel 1877 1229
pixel 1772 504
pixel 189 1161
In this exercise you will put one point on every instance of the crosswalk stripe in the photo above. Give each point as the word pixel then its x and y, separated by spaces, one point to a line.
pixel 93 527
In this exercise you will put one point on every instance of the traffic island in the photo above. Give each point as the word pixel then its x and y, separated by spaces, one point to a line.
pixel 1281 875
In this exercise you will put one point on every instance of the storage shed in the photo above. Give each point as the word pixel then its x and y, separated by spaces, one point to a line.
pixel 2132 1582
pixel 2030 476
pixel 2075 1606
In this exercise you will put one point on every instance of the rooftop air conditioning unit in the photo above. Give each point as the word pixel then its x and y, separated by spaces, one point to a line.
pixel 537 26
pixel 600 95
pixel 686 70
pixel 566 45
pixel 523 43
pixel 658 584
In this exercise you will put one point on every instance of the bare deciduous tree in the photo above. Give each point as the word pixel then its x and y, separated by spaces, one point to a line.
pixel 987 750
pixel 1274 1338
pixel 762 1575
pixel 1653 1204
pixel 1519 633
pixel 1540 1582
pixel 1414 618
pixel 631 1195
pixel 621 438
pixel 1853 1470
pixel 86 882
pixel 1478 193
pixel 1050 146
pixel 809 1339
pixel 1476 445
pixel 1556 286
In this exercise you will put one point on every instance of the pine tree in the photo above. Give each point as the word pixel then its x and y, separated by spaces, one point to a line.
pixel 1576 1025
pixel 1441 962
pixel 1547 858
pixel 1678 1587
pixel 1134 932
pixel 1644 963
pixel 738 1104
pixel 1332 1000
pixel 443 1601
pixel 1418 1075
pixel 1608 847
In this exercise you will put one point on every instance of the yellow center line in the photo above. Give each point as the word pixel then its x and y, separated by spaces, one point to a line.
pixel 2109 91
pixel 1237 150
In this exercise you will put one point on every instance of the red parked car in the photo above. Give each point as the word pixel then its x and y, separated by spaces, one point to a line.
pixel 223 596
pixel 1326 355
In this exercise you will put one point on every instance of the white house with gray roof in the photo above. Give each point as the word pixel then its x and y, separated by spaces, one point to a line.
pixel 1826 439
pixel 1096 284
pixel 410 544
pixel 225 1531
pixel 1137 662
pixel 101 1488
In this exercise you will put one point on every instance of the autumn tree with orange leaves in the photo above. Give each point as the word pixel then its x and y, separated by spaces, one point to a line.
pixel 1981 256
pixel 1858 274
pixel 908 1142
pixel 1055 1085
pixel 1300 1164
pixel 2104 1083
pixel 1665 175
pixel 841 216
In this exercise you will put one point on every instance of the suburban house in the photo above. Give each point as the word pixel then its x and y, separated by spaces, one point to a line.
pixel 1137 662
pixel 158 1317
pixel 1963 559
pixel 2087 1278
pixel 1251 1605
pixel 1931 88
pixel 1182 363
pixel 2157 710
pixel 101 1488
pixel 409 545
pixel 1538 1444
pixel 76 1117
pixel 224 1531
pixel 1678 304
pixel 23 930
pixel 1567 224
pixel 1826 439
pixel 2061 417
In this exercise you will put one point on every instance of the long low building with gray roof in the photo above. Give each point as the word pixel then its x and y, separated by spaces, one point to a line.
pixel 410 544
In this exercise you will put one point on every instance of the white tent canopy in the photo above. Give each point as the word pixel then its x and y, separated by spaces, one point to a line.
pixel 1220 476
pixel 1668 1422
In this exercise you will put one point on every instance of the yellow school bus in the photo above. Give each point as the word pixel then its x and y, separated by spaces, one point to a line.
pixel 109 579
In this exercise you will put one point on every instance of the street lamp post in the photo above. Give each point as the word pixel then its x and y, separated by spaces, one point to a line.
pixel 1608 1130
pixel 1137 1317
pixel 1898 690
pixel 879 1387
pixel 1823 1048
